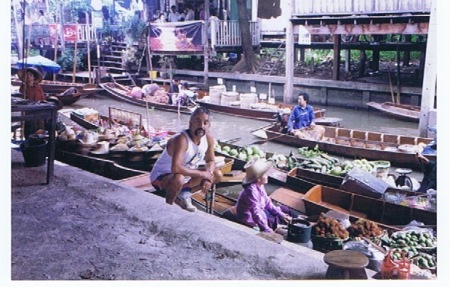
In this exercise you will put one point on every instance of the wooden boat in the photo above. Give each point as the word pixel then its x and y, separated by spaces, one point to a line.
pixel 222 203
pixel 298 176
pixel 399 111
pixel 103 167
pixel 261 111
pixel 120 92
pixel 58 87
pixel 321 199
pixel 399 150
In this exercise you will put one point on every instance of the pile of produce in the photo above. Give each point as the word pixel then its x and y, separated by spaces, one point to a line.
pixel 418 246
pixel 330 228
pixel 244 154
pixel 413 238
pixel 365 228
pixel 319 161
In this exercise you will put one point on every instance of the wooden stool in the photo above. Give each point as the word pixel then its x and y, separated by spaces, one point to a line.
pixel 346 264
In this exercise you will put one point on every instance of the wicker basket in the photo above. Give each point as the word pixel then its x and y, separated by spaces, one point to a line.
pixel 226 168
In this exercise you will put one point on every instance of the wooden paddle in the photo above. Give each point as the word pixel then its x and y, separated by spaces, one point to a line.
pixel 266 140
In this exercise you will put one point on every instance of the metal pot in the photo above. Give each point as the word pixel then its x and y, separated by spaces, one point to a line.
pixel 299 231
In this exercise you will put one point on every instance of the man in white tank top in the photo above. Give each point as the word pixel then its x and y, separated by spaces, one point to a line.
pixel 176 170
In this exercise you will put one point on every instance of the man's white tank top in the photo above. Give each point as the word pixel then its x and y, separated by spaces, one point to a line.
pixel 192 158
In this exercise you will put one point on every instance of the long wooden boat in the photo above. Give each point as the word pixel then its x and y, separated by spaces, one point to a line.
pixel 298 176
pixel 120 92
pixel 141 161
pixel 399 150
pixel 103 167
pixel 222 203
pixel 58 87
pixel 321 199
pixel 263 111
pixel 399 111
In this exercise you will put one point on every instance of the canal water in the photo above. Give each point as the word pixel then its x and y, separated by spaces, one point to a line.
pixel 229 127
pixel 226 127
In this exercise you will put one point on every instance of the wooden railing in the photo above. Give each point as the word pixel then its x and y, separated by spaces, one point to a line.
pixel 227 33
pixel 42 32
pixel 357 7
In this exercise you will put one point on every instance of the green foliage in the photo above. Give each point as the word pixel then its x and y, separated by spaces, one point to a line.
pixel 134 29
pixel 129 56
pixel 66 59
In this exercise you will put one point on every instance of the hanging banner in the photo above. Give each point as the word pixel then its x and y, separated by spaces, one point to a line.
pixel 176 37
pixel 71 32
pixel 53 28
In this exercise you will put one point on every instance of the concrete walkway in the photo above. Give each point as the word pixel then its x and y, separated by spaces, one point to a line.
pixel 76 206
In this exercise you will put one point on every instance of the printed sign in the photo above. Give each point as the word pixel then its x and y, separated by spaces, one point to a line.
pixel 71 33
pixel 176 37
pixel 304 37
pixel 53 29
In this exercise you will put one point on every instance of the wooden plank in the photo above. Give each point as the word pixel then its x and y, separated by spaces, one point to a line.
pixel 289 198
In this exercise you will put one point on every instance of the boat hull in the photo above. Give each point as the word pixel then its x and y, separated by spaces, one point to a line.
pixel 398 111
pixel 119 93
pixel 266 115
pixel 321 199
pixel 358 144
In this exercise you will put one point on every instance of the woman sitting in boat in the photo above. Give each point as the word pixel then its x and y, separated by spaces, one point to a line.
pixel 184 96
pixel 301 121
pixel 254 208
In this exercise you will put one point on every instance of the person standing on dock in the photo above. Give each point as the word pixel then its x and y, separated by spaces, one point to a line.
pixel 177 169
pixel 301 121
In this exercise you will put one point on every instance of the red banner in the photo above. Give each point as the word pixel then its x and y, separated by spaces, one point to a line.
pixel 53 28
pixel 71 32
pixel 176 37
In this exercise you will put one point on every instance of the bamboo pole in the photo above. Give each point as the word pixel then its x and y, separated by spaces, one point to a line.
pixel 75 56
pixel 55 53
pixel 88 46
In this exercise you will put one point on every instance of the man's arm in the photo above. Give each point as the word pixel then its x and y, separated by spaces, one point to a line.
pixel 290 123
pixel 210 158
pixel 312 117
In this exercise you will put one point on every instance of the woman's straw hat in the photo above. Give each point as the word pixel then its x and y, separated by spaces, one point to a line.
pixel 37 75
pixel 255 169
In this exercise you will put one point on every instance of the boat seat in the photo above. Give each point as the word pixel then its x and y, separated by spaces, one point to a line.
pixel 289 198
pixel 343 210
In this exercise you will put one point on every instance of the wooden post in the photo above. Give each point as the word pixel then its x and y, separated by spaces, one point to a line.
pixel 55 57
pixel 289 66
pixel 88 46
pixel 430 75
pixel 362 63
pixel 336 56
pixel 75 57
pixel 205 44
pixel 347 60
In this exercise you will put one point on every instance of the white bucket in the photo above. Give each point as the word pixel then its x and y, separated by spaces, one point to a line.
pixel 215 93
pixel 228 97
pixel 248 99
pixel 381 169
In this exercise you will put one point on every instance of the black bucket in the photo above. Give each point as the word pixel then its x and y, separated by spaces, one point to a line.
pixel 299 231
pixel 34 152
